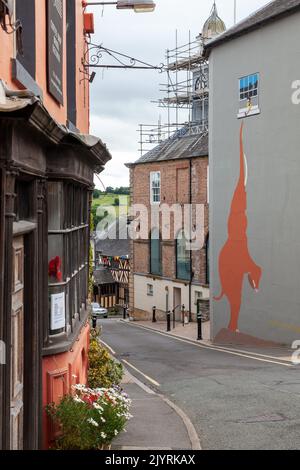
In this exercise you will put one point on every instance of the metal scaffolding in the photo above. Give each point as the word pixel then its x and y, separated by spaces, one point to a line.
pixel 185 89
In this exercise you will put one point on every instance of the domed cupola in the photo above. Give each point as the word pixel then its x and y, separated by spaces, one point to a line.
pixel 213 25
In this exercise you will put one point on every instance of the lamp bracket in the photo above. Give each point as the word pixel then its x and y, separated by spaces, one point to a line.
pixel 96 52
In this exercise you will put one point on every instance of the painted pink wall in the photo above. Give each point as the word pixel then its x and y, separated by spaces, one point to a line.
pixel 57 111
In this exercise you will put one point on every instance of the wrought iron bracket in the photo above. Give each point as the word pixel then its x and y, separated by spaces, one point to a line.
pixel 96 52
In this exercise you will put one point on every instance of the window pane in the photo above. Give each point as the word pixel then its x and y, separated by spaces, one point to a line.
pixel 249 86
pixel 155 253
pixel 55 199
pixel 155 187
pixel 56 258
pixel 183 259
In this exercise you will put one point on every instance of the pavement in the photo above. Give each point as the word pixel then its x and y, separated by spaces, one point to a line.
pixel 189 331
pixel 235 399
pixel 145 430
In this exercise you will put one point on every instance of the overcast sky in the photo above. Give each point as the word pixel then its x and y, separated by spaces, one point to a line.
pixel 121 99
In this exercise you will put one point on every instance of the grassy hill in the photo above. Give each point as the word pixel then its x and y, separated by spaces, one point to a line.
pixel 107 200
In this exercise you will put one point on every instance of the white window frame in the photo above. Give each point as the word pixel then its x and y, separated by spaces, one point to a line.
pixel 153 180
pixel 244 111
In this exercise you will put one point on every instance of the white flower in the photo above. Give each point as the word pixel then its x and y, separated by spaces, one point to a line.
pixel 77 399
pixel 93 422
pixel 103 435
pixel 80 388
pixel 97 407
pixel 103 420
pixel 116 432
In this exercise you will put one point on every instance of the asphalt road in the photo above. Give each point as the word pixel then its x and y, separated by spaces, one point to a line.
pixel 234 402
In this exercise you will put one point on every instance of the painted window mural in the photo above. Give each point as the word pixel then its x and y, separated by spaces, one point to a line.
pixel 248 87
pixel 249 95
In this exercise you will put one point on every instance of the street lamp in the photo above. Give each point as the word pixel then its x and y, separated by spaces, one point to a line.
pixel 139 6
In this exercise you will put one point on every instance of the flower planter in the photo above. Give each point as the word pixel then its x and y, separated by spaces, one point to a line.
pixel 90 417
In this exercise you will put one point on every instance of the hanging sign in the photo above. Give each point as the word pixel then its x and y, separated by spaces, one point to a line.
pixel 58 311
pixel 55 26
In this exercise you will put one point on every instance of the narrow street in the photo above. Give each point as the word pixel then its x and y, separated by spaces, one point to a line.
pixel 234 401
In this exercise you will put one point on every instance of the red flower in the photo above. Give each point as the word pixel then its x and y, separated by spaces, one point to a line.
pixel 55 268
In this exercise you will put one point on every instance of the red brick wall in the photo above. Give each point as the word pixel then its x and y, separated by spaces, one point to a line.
pixel 175 188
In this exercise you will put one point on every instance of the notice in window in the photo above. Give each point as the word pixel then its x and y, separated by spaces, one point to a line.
pixel 58 311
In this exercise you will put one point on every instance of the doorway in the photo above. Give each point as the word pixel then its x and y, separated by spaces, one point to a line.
pixel 17 347
pixel 177 303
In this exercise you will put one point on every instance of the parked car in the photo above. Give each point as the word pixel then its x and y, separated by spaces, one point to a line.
pixel 99 311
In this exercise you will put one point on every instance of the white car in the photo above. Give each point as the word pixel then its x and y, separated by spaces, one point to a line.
pixel 99 311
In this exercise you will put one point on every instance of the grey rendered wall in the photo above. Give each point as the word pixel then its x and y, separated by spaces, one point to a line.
pixel 272 147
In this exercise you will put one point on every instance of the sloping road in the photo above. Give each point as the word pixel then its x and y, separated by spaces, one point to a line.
pixel 234 402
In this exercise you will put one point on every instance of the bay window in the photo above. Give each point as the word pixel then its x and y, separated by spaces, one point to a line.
pixel 68 248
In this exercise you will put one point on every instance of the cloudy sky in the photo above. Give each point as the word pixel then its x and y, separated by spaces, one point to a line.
pixel 122 99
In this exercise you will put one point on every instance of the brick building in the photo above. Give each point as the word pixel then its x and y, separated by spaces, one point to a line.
pixel 165 274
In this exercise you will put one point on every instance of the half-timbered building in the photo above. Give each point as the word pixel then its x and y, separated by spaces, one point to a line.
pixel 112 267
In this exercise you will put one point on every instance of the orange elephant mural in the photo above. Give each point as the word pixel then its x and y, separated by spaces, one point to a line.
pixel 235 261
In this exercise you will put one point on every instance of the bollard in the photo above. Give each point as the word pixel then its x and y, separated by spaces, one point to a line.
pixel 183 315
pixel 124 312
pixel 168 321
pixel 94 319
pixel 154 315
pixel 174 319
pixel 199 321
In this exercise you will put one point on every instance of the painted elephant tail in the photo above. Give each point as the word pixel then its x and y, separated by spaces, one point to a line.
pixel 217 299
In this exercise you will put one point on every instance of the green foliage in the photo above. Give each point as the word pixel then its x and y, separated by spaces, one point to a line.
pixel 90 419
pixel 97 193
pixel 117 201
pixel 103 370
pixel 122 190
